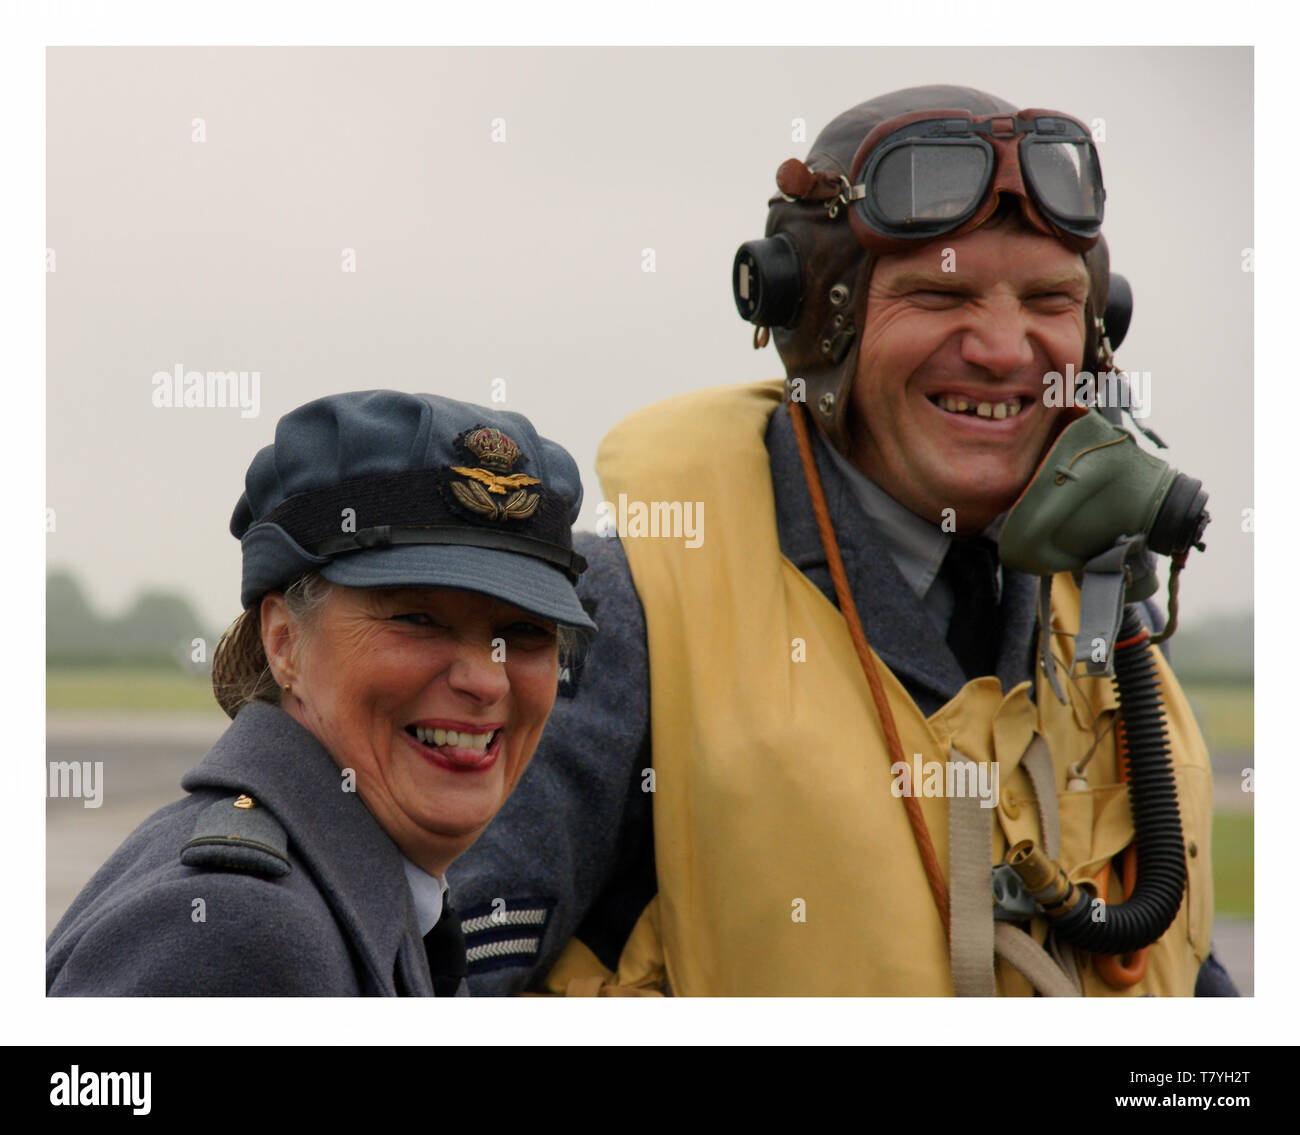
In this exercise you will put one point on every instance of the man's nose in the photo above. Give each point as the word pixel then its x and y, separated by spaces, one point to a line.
pixel 999 340
pixel 479 672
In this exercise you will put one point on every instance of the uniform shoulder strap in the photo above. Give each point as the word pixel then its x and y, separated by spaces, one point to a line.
pixel 238 834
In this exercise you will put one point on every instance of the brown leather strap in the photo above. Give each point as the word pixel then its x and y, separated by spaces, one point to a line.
pixel 849 609
pixel 795 179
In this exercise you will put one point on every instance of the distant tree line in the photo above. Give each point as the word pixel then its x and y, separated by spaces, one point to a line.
pixel 1216 650
pixel 159 628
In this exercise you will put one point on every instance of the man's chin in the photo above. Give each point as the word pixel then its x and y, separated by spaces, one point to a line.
pixel 975 506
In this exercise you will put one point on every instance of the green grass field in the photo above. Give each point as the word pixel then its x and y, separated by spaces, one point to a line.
pixel 1234 863
pixel 140 689
pixel 1226 714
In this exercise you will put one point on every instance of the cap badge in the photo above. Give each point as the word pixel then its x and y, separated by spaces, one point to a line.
pixel 497 455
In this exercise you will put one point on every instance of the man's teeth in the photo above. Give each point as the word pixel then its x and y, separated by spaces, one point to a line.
pixel 440 737
pixel 999 410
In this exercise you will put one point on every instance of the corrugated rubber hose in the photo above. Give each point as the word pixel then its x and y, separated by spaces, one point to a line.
pixel 1162 869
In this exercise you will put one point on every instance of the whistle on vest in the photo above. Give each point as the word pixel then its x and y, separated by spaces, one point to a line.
pixel 1100 506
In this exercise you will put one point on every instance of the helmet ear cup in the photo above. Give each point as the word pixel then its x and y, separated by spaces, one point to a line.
pixel 1119 310
pixel 766 282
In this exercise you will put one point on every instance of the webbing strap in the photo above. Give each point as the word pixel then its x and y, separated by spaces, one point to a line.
pixel 970 847
pixel 1063 954
pixel 1046 659
pixel 1035 963
pixel 1037 763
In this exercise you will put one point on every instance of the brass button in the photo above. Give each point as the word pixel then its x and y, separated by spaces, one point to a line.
pixel 1010 805
pixel 244 802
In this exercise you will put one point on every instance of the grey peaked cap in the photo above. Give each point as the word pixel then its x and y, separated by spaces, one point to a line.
pixel 352 439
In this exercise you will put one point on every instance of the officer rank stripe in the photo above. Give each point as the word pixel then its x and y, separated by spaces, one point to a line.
pixel 521 949
pixel 503 918
pixel 505 932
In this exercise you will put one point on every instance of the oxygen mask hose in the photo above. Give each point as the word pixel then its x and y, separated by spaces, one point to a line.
pixel 1162 870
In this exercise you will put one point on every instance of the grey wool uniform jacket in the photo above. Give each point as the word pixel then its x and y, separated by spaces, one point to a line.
pixel 572 852
pixel 311 900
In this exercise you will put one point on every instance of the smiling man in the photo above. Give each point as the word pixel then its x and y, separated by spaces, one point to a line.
pixel 947 398
pixel 716 806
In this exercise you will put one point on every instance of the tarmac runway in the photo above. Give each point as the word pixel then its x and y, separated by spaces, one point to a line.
pixel 144 757
pixel 143 761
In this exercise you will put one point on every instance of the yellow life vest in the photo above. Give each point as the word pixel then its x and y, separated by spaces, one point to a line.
pixel 785 861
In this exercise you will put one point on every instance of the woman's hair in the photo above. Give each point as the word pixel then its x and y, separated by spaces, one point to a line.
pixel 241 673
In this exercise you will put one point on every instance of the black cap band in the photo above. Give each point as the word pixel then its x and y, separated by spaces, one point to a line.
pixel 431 506
pixel 387 536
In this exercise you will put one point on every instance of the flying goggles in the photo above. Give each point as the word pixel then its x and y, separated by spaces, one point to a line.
pixel 932 172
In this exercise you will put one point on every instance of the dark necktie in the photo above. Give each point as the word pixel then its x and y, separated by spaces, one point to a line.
pixel 444 946
pixel 975 630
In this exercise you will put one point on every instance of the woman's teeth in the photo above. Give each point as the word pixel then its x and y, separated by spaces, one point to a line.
pixel 999 410
pixel 439 737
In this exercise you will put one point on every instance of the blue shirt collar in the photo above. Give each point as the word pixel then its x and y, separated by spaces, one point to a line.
pixel 915 545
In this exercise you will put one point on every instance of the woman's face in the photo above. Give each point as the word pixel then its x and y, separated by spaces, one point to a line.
pixel 434 698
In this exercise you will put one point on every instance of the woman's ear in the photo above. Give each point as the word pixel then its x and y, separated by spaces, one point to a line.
pixel 278 638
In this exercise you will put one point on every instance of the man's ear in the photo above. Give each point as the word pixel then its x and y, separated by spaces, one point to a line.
pixel 279 638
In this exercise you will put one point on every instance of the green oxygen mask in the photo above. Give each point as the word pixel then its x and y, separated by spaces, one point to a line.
pixel 1100 505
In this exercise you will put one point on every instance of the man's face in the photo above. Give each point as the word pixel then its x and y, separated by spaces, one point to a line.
pixel 980 336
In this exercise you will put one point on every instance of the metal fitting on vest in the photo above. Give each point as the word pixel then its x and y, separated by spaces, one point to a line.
pixel 1043 879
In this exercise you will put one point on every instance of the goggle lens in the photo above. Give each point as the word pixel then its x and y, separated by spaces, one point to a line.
pixel 1066 180
pixel 918 184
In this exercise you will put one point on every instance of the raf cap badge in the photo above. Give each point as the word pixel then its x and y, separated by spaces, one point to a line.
pixel 497 456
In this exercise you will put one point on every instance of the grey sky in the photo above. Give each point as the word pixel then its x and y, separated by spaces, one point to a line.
pixel 522 259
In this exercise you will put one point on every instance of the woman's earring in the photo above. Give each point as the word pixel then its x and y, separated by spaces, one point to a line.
pixel 288 687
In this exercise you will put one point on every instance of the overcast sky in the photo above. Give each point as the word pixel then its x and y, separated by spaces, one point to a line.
pixel 522 258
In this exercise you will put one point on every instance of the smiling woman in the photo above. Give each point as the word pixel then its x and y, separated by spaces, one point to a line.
pixel 436 698
pixel 408 583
